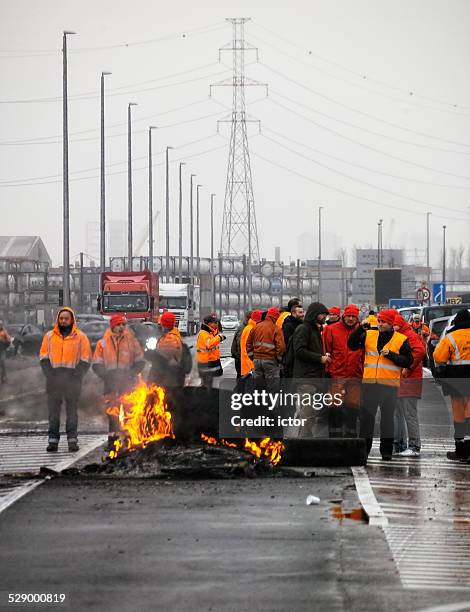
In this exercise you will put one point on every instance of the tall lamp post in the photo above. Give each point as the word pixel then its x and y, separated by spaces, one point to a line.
pixel 65 178
pixel 444 254
pixel 320 208
pixel 180 225
pixel 150 264
pixel 198 259
pixel 428 214
pixel 191 230
pixel 212 254
pixel 102 183
pixel 167 216
pixel 129 184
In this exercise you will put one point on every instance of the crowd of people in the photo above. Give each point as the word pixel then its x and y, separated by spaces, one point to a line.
pixel 372 362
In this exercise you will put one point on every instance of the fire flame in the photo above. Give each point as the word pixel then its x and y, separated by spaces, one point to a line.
pixel 268 448
pixel 143 417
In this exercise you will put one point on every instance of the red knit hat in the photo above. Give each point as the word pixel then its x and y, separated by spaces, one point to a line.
pixel 388 315
pixel 168 319
pixel 335 310
pixel 273 313
pixel 352 310
pixel 256 315
pixel 117 319
pixel 399 321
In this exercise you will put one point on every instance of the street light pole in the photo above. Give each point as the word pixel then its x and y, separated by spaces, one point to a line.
pixel 427 250
pixel 212 253
pixel 129 186
pixel 65 178
pixel 198 259
pixel 102 184
pixel 320 208
pixel 167 217
pixel 444 254
pixel 250 279
pixel 150 265
pixel 191 231
pixel 180 232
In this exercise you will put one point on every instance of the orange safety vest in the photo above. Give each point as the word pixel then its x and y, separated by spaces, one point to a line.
pixel 65 352
pixel 453 349
pixel 246 363
pixel 281 317
pixel 207 347
pixel 377 368
pixel 118 352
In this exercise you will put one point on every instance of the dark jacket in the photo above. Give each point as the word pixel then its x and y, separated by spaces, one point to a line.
pixel 403 359
pixel 289 326
pixel 308 345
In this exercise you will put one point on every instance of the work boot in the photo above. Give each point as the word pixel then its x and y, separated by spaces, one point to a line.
pixel 73 446
pixel 459 452
pixel 52 447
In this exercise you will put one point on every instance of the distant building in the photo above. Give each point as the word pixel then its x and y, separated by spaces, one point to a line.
pixel 26 249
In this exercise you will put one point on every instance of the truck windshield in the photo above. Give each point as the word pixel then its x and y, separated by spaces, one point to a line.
pixel 171 302
pixel 130 302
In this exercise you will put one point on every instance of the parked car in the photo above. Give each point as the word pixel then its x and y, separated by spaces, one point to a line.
pixel 94 330
pixel 82 319
pixel 436 329
pixel 428 313
pixel 229 322
pixel 26 339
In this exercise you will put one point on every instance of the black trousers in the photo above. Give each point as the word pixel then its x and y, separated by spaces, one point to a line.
pixel 373 397
pixel 54 403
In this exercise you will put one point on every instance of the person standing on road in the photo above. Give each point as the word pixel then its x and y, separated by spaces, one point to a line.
pixel 420 327
pixel 235 349
pixel 411 386
pixel 292 322
pixel 334 315
pixel 345 369
pixel 118 359
pixel 308 368
pixel 265 343
pixel 5 341
pixel 208 350
pixel 286 312
pixel 65 357
pixel 168 359
pixel 387 352
pixel 453 352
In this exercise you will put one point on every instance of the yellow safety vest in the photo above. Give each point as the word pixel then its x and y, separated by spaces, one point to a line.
pixel 281 317
pixel 377 368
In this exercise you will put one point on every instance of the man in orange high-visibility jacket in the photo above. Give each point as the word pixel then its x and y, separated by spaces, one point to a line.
pixel 117 360
pixel 387 352
pixel 4 344
pixel 208 351
pixel 65 358
pixel 247 364
pixel 453 352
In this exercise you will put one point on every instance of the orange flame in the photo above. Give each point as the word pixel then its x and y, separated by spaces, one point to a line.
pixel 268 448
pixel 143 417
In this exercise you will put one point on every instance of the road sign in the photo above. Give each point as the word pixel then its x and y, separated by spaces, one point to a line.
pixel 423 294
pixel 439 293
pixel 454 300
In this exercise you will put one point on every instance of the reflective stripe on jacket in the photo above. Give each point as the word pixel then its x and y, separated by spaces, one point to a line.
pixel 454 349
pixel 118 352
pixel 377 368
pixel 246 363
pixel 207 346
pixel 65 352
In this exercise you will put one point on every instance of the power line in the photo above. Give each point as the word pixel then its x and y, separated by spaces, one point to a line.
pixel 118 172
pixel 357 180
pixel 355 165
pixel 365 146
pixel 408 92
pixel 40 140
pixel 363 113
pixel 93 95
pixel 46 52
pixel 347 193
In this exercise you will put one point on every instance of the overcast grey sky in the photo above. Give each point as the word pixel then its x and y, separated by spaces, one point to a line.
pixel 340 127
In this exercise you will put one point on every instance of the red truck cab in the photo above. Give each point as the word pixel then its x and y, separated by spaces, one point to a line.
pixel 134 294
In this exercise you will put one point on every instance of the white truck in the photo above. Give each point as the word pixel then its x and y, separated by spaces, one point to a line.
pixel 183 300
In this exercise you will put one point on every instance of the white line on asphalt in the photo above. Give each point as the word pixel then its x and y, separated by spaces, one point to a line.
pixel 367 498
